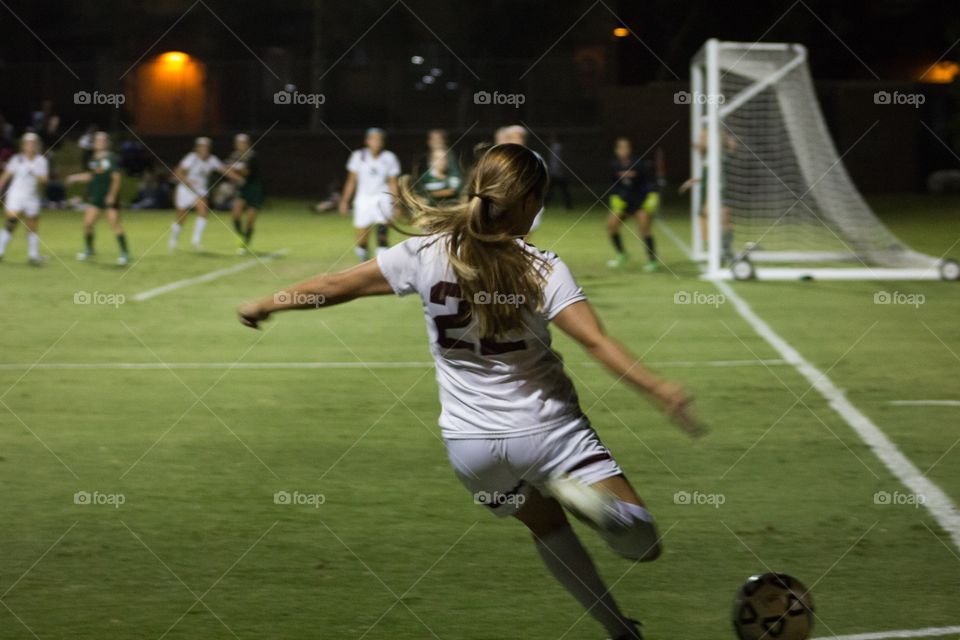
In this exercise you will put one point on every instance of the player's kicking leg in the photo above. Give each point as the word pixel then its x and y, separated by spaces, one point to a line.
pixel 571 565
pixel 244 218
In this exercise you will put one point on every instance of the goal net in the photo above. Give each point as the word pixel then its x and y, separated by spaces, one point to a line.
pixel 780 192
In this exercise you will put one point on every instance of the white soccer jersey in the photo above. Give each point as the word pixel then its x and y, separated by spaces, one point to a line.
pixel 25 174
pixel 488 389
pixel 198 170
pixel 372 172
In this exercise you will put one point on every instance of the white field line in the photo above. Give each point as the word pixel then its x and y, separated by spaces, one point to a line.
pixel 206 277
pixel 935 500
pixel 929 632
pixel 351 364
pixel 925 403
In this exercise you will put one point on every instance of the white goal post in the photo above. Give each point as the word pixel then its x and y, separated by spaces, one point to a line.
pixel 769 186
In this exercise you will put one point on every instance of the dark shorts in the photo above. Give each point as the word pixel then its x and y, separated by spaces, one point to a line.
pixel 252 194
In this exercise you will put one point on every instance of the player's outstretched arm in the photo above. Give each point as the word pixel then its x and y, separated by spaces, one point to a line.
pixel 581 323
pixel 323 291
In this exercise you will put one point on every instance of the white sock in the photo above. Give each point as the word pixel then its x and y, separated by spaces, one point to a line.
pixel 198 229
pixel 33 245
pixel 381 250
pixel 4 240
pixel 361 252
pixel 573 568
pixel 174 233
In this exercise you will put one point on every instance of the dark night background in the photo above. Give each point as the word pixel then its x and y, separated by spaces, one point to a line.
pixel 579 80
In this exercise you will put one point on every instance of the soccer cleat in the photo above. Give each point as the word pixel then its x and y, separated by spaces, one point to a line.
pixel 83 256
pixel 35 261
pixel 651 266
pixel 619 261
pixel 123 259
pixel 196 246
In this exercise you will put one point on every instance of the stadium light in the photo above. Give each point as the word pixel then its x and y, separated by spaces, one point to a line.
pixel 173 59
pixel 942 72
pixel 621 32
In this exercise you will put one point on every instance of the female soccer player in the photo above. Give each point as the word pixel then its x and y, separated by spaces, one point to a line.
pixel 726 225
pixel 371 175
pixel 441 182
pixel 634 193
pixel 249 198
pixel 513 426
pixel 193 172
pixel 103 185
pixel 27 173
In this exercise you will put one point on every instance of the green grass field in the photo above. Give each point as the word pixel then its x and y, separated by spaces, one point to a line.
pixel 397 549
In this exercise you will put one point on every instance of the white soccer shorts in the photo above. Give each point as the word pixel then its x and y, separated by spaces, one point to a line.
pixel 185 198
pixel 500 472
pixel 27 205
pixel 371 210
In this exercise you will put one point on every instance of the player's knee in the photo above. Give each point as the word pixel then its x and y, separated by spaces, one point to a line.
pixel 639 542
pixel 634 536
pixel 10 224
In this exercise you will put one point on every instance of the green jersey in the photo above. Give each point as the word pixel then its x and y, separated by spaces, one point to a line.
pixel 432 183
pixel 252 189
pixel 102 167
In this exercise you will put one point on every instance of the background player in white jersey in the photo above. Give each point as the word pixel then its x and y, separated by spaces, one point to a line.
pixel 511 420
pixel 27 173
pixel 371 175
pixel 194 172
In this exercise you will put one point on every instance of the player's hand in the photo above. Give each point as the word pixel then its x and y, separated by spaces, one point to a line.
pixel 343 207
pixel 251 314
pixel 687 184
pixel 677 403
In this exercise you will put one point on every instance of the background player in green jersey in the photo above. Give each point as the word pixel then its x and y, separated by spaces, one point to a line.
pixel 249 196
pixel 103 185
pixel 441 182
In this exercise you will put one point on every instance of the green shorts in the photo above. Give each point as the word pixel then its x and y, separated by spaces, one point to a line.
pixel 100 201
pixel 649 203
pixel 252 194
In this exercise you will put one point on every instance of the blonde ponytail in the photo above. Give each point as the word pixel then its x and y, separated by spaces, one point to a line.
pixel 500 279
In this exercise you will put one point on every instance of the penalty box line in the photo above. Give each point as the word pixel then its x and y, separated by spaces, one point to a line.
pixel 935 500
pixel 351 364
pixel 206 277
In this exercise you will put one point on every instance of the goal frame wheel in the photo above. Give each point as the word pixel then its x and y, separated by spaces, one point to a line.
pixel 949 270
pixel 742 269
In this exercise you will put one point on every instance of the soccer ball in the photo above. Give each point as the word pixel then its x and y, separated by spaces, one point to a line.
pixel 773 605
